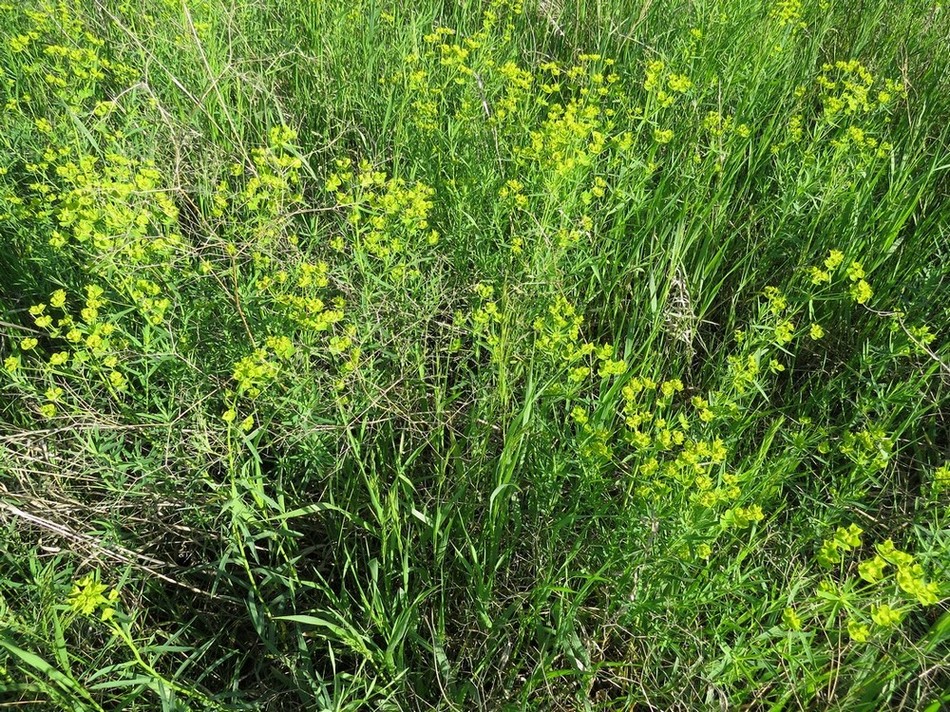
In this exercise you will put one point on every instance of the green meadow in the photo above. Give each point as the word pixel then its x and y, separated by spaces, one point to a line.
pixel 474 355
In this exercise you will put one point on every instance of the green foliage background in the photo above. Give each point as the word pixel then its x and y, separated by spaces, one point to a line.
pixel 474 355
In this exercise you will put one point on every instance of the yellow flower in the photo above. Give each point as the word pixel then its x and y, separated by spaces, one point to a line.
pixel 11 364
pixel 885 616
pixel 28 344
pixel 816 331
pixel 86 595
pixel 835 258
pixel 229 415
pixel 872 570
pixel 783 332
pixel 48 410
pixel 663 135
pixel 861 291
pixel 679 83
pixel 858 632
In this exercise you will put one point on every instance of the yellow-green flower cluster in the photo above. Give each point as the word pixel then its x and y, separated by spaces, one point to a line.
pixel 60 56
pixel 859 290
pixel 719 126
pixel 558 336
pixel 844 540
pixel 78 348
pixel 664 86
pixel 570 138
pixel 387 217
pixel 849 90
pixel 486 318
pixel 909 574
pixel 255 371
pixel 299 293
pixel 856 140
pixel 743 371
pixel 869 448
pixel 941 480
pixel 788 13
pixel 274 183
pixel 896 584
pixel 741 517
pixel 89 595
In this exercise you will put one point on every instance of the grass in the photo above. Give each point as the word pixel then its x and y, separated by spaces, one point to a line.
pixel 413 356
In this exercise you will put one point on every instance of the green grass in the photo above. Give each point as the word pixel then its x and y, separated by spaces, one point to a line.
pixel 414 356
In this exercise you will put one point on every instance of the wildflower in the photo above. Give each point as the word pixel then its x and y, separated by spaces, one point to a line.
pixel 741 517
pixel 816 332
pixel 247 424
pixel 858 632
pixel 849 538
pixel 861 291
pixel 942 478
pixel 229 416
pixel 835 258
pixel 28 344
pixel 578 374
pixel 828 554
pixel 282 346
pixel 668 388
pixel 611 367
pixel 11 364
pixel 783 332
pixel 894 555
pixel 663 135
pixel 910 578
pixel 885 616
pixel 86 595
pixel 872 570
pixel 855 271
pixel 679 83
pixel 48 410
pixel 777 301
pixel 791 620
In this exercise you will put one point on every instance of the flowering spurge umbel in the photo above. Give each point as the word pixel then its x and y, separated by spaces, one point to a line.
pixel 873 592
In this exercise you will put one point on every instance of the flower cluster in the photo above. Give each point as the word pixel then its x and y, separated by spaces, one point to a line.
pixel 89 595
